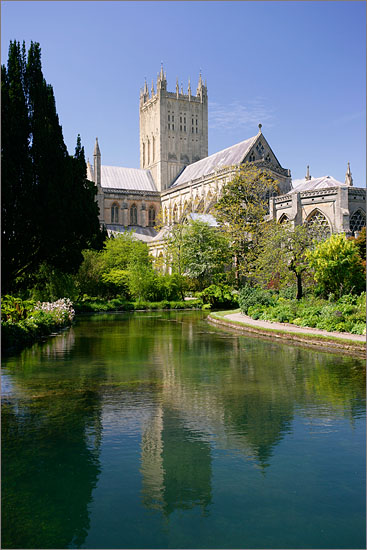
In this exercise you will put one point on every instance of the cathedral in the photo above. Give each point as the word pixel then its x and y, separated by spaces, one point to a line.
pixel 178 179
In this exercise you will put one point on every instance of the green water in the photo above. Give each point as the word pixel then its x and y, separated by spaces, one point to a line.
pixel 156 430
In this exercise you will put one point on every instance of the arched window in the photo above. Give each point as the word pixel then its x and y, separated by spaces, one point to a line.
pixel 151 216
pixel 318 225
pixel 283 219
pixel 252 157
pixel 115 213
pixel 357 221
pixel 175 214
pixel 133 215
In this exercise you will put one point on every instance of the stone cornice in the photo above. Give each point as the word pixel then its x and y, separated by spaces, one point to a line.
pixel 144 194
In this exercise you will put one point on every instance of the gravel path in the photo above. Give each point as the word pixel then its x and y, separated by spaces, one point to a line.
pixel 288 327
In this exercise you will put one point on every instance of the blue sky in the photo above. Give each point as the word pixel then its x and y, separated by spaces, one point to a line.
pixel 296 67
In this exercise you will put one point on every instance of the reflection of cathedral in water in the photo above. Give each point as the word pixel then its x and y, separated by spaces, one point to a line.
pixel 192 419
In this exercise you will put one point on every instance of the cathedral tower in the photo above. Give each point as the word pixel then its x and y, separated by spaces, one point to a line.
pixel 173 129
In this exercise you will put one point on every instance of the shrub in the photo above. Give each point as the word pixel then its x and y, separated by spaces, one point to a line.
pixel 252 296
pixel 218 296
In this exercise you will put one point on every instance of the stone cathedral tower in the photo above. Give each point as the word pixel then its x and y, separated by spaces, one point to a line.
pixel 173 129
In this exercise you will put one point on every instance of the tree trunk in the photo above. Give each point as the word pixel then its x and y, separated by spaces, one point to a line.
pixel 299 286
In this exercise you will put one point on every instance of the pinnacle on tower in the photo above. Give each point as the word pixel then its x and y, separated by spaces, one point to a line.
pixel 200 83
pixel 348 176
pixel 189 88
pixel 260 126
pixel 96 152
pixel 145 87
pixel 308 177
pixel 152 90
pixel 177 87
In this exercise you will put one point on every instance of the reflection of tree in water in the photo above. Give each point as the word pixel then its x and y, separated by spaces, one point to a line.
pixel 50 457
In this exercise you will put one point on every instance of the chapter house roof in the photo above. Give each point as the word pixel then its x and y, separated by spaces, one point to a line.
pixel 118 177
pixel 299 186
pixel 227 157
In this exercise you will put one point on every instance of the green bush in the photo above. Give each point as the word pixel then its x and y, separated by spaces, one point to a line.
pixel 219 296
pixel 252 296
pixel 344 315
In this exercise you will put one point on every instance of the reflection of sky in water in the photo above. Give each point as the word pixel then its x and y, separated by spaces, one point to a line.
pixel 7 387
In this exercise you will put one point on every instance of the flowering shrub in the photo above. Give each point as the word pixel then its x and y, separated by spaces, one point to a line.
pixel 23 322
pixel 62 310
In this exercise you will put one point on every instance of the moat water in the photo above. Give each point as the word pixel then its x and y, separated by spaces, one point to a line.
pixel 156 430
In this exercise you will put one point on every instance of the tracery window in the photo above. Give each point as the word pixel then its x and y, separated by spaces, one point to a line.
pixel 151 216
pixel 260 148
pixel 115 213
pixel 252 157
pixel 133 215
pixel 318 225
pixel 357 221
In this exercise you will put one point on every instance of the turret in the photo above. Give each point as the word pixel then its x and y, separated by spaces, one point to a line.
pixel 308 177
pixel 97 163
pixel 348 176
pixel 97 180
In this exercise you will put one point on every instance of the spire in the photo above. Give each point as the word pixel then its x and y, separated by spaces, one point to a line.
pixel 308 177
pixel 97 152
pixel 181 88
pixel 145 87
pixel 348 176
pixel 152 90
pixel 177 88
pixel 260 126
pixel 189 89
pixel 161 76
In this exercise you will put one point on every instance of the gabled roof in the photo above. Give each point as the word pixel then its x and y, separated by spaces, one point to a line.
pixel 118 177
pixel 227 157
pixel 299 186
pixel 145 234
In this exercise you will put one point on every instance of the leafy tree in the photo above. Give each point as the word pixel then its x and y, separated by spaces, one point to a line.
pixel 337 266
pixel 204 251
pixel 241 211
pixel 282 258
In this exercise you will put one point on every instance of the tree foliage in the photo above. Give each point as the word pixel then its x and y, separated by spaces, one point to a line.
pixel 49 212
pixel 282 255
pixel 198 251
pixel 241 211
pixel 337 266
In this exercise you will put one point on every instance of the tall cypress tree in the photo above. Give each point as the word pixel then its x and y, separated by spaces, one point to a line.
pixel 19 241
pixel 49 209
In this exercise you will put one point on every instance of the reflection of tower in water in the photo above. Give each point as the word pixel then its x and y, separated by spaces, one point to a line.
pixel 176 464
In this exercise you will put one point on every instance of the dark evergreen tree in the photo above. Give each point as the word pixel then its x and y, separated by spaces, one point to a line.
pixel 18 238
pixel 49 209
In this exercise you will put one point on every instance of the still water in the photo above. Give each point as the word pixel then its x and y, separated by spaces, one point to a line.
pixel 156 430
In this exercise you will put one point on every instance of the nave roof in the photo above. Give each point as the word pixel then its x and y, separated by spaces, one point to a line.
pixel 227 157
pixel 134 179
